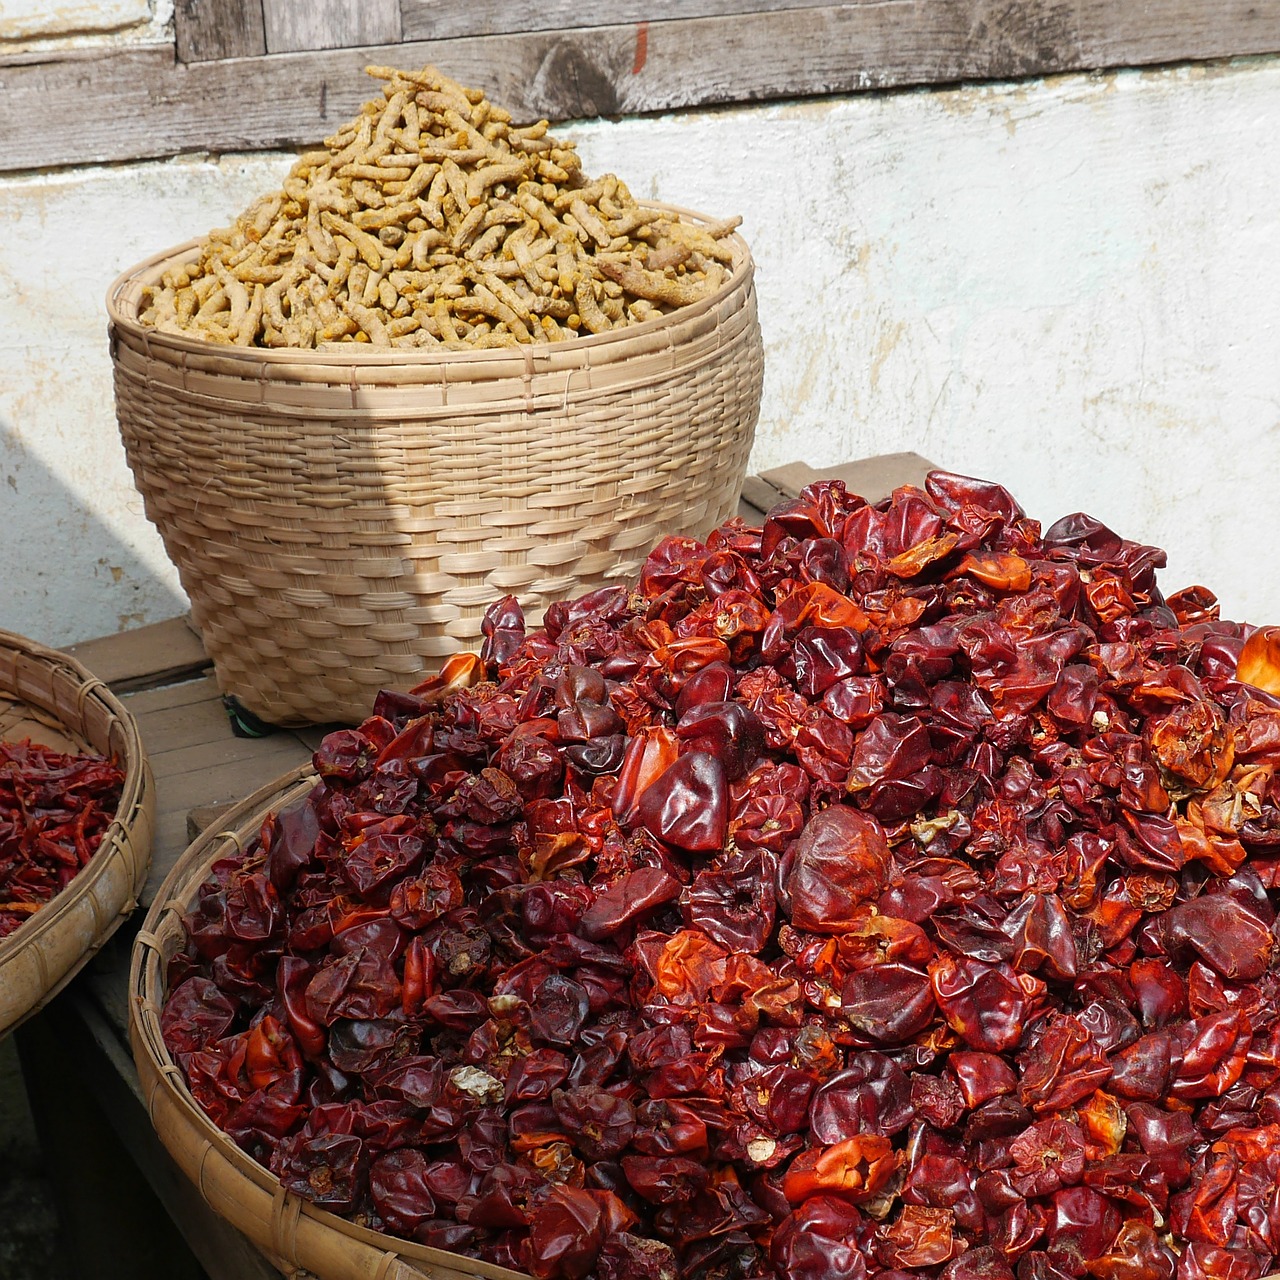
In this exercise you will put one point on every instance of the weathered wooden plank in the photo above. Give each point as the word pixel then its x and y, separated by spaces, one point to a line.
pixel 138 102
pixel 329 24
pixel 203 723
pixel 169 843
pixel 444 19
pixel 203 816
pixel 872 478
pixel 215 772
pixel 105 981
pixel 312 736
pixel 184 726
pixel 194 715
pixel 758 496
pixel 180 694
pixel 876 478
pixel 208 782
pixel 208 29
pixel 791 478
pixel 145 657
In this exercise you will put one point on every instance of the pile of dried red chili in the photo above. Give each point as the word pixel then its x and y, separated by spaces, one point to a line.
pixel 54 809
pixel 887 891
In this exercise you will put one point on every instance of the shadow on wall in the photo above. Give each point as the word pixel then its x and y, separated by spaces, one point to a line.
pixel 67 576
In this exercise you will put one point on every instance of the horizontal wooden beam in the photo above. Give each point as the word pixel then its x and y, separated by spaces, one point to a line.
pixel 443 19
pixel 142 102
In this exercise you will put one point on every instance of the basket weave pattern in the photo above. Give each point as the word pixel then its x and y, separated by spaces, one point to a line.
pixel 340 519
pixel 297 1237
pixel 50 698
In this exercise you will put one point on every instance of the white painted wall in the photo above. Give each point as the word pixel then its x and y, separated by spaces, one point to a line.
pixel 38 25
pixel 1072 286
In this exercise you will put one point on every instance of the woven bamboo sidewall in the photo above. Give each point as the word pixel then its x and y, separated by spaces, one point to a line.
pixel 340 519
pixel 52 699
pixel 293 1233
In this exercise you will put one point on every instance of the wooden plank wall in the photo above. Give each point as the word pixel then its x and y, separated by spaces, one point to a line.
pixel 329 24
pixel 443 19
pixel 208 29
pixel 255 74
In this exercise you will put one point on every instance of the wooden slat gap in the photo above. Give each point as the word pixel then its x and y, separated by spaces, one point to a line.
pixel 160 679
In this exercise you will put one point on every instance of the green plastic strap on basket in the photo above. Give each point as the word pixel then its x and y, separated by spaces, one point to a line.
pixel 244 724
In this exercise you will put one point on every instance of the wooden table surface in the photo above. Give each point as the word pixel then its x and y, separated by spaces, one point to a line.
pixel 126 1209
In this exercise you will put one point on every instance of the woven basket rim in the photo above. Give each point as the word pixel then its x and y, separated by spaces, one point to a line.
pixel 148 987
pixel 128 835
pixel 124 294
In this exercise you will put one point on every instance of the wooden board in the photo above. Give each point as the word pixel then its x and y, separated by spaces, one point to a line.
pixel 442 19
pixel 871 478
pixel 329 24
pixel 195 757
pixel 218 29
pixel 131 103
pixel 160 654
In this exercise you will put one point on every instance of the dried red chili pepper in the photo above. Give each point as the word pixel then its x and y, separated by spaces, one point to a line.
pixel 840 860
pixel 890 891
pixel 688 804
pixel 54 810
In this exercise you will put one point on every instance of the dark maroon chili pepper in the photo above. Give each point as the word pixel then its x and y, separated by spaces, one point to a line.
pixel 839 862
pixel 631 896
pixel 887 892
pixel 726 730
pixel 688 805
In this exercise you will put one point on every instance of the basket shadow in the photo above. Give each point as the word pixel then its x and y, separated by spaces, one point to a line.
pixel 69 576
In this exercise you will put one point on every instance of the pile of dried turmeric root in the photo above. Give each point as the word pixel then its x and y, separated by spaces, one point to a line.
pixel 432 220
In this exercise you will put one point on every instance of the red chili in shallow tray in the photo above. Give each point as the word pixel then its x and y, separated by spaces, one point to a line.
pixel 890 890
pixel 54 809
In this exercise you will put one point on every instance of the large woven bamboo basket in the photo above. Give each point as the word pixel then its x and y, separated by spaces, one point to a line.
pixel 51 699
pixel 341 520
pixel 293 1233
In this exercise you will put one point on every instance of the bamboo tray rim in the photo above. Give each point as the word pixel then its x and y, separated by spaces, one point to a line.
pixel 130 827
pixel 123 297
pixel 147 988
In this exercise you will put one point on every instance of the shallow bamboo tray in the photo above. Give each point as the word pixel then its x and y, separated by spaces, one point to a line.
pixel 340 520
pixel 293 1233
pixel 50 698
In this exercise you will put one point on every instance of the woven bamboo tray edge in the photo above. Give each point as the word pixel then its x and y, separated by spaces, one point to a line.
pixel 44 954
pixel 250 1197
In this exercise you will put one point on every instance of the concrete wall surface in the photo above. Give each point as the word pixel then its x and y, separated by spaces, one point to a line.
pixel 39 25
pixel 1071 286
